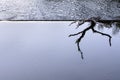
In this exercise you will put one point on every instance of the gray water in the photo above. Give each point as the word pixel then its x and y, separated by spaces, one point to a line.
pixel 43 51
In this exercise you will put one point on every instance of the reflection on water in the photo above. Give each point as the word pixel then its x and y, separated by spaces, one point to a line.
pixel 93 23
pixel 43 51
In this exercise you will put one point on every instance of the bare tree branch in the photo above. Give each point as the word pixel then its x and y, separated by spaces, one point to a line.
pixel 75 34
pixel 95 31
pixel 93 24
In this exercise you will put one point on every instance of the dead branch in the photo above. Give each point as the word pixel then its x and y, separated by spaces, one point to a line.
pixel 93 24
pixel 95 31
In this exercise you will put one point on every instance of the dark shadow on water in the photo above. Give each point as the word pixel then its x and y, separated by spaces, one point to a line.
pixel 96 23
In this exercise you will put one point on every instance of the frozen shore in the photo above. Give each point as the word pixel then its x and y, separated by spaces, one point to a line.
pixel 57 10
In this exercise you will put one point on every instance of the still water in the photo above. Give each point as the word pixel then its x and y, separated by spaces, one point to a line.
pixel 43 51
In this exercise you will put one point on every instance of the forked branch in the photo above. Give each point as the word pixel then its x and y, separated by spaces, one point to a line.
pixel 82 33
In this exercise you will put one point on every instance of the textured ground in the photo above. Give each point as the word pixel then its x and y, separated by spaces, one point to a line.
pixel 57 9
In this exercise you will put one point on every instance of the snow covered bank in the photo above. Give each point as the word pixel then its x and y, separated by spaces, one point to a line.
pixel 57 9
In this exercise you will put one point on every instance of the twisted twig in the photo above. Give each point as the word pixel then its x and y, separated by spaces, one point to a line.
pixel 104 35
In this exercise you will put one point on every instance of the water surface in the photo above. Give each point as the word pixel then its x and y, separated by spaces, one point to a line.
pixel 43 51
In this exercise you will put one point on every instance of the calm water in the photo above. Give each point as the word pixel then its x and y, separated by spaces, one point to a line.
pixel 43 51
